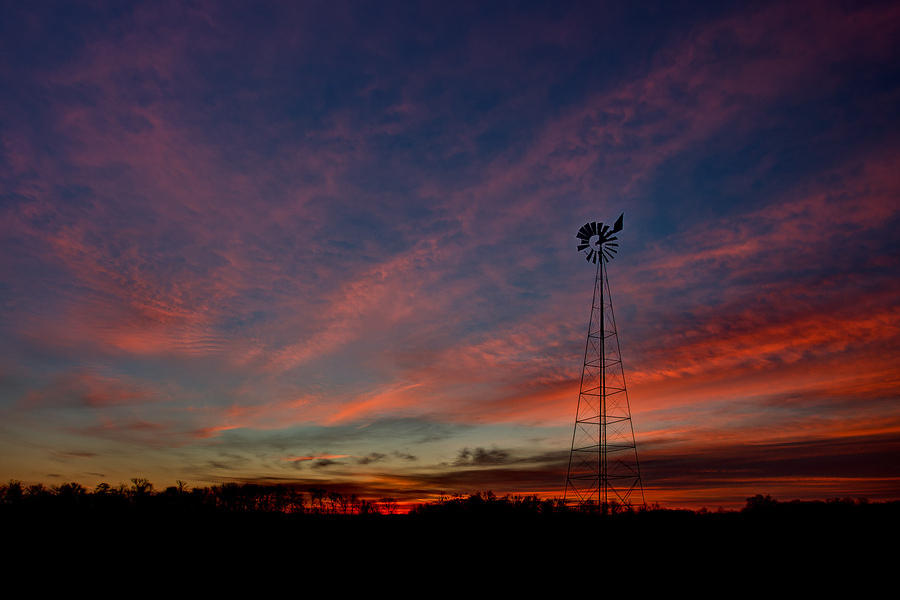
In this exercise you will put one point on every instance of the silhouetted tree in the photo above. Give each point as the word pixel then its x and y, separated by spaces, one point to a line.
pixel 344 503
pixel 389 505
pixel 37 490
pixel 316 496
pixel 366 507
pixel 70 492
pixel 335 499
pixel 760 503
pixel 141 486
pixel 297 501
pixel 12 493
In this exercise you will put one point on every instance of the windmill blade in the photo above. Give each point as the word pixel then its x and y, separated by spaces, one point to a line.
pixel 589 256
pixel 585 231
pixel 594 228
pixel 582 247
pixel 618 224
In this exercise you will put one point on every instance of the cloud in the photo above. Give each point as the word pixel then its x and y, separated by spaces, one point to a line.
pixel 825 467
pixel 206 432
pixel 685 473
pixel 89 389
pixel 480 457
pixel 74 454
pixel 322 457
pixel 371 458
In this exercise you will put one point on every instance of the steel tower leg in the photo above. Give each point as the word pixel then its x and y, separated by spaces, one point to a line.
pixel 603 464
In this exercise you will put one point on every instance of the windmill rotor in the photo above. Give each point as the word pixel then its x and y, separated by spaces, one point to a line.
pixel 598 241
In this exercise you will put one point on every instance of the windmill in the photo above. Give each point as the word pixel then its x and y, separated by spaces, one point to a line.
pixel 603 463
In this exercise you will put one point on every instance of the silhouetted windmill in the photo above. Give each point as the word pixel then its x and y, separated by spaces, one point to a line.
pixel 603 462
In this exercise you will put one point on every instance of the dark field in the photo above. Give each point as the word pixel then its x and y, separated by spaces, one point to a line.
pixel 251 524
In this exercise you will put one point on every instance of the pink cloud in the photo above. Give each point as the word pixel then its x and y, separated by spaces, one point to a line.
pixel 89 389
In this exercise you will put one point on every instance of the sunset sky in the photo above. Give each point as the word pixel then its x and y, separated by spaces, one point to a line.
pixel 334 243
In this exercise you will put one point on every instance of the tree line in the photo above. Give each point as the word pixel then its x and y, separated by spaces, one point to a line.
pixel 226 497
pixel 141 495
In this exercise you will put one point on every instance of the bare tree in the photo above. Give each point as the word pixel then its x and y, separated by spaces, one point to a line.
pixel 389 505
